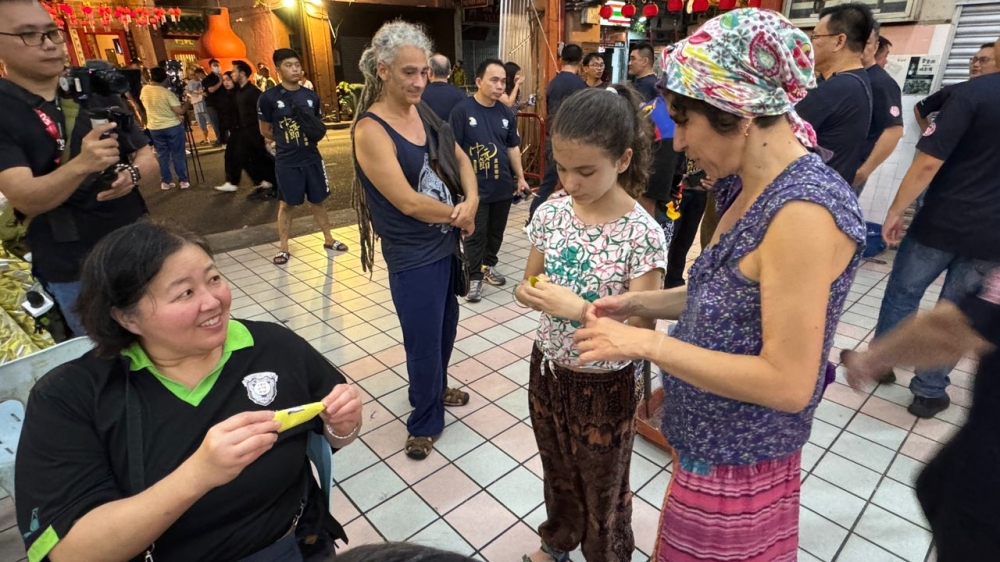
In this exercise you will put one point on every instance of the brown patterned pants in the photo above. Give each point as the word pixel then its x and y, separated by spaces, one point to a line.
pixel 584 424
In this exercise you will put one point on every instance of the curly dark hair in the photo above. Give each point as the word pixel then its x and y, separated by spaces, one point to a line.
pixel 614 123
pixel 117 274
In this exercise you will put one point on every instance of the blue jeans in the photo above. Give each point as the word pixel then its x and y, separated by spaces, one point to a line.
pixel 65 295
pixel 428 315
pixel 915 268
pixel 169 145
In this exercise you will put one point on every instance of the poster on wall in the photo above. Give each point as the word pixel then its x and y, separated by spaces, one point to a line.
pixel 805 13
pixel 914 73
pixel 920 73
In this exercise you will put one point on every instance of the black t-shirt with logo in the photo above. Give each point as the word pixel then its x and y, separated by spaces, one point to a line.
pixel 60 239
pixel 485 134
pixel 292 148
pixel 887 104
pixel 962 204
pixel 840 110
pixel 73 458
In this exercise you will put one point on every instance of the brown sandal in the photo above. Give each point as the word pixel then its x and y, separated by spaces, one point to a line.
pixel 417 448
pixel 337 246
pixel 455 397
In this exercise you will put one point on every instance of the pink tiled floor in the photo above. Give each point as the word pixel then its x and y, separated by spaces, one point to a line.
pixel 480 492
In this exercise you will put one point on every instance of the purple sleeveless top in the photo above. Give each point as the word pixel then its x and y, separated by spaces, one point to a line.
pixel 723 313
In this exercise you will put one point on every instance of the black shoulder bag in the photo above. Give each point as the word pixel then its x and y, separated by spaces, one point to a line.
pixel 441 155
pixel 312 126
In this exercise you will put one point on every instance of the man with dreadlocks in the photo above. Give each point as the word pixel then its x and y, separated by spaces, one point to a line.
pixel 404 202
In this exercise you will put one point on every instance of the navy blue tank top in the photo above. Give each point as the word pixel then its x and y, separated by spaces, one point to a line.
pixel 408 243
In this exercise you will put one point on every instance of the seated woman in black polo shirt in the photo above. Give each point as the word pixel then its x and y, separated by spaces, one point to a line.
pixel 175 384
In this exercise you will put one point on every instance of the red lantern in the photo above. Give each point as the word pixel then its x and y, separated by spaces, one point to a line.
pixel 606 12
pixel 650 10
pixel 727 4
pixel 628 10
pixel 675 5
pixel 754 3
pixel 699 6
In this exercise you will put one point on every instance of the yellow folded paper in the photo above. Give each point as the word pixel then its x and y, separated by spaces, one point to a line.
pixel 532 280
pixel 298 415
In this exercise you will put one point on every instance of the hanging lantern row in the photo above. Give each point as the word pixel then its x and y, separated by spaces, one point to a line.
pixel 651 9
pixel 90 16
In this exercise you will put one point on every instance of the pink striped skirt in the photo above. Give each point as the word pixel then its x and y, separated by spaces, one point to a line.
pixel 732 514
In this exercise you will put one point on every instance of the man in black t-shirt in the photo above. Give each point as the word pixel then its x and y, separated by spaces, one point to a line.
pixel 840 108
pixel 440 94
pixel 640 68
pixel 50 156
pixel 958 164
pixel 982 63
pixel 298 165
pixel 215 96
pixel 487 131
pixel 565 83
pixel 887 117
pixel 958 490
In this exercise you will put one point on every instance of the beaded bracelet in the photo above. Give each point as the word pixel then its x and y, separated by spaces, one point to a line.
pixel 348 436
pixel 132 171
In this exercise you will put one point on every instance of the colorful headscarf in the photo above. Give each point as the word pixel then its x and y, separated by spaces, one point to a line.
pixel 748 62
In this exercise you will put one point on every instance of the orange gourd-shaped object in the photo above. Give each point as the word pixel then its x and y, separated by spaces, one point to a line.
pixel 220 42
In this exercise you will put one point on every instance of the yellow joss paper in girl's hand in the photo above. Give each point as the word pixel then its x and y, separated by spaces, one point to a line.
pixel 298 415
pixel 532 280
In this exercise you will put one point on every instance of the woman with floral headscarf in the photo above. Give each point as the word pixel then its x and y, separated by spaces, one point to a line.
pixel 744 368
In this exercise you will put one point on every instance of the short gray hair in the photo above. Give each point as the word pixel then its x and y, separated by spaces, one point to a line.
pixel 440 66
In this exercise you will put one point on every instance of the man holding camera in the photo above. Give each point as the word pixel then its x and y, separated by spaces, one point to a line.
pixel 75 182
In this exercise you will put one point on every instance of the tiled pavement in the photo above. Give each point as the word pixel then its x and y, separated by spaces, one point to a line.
pixel 480 492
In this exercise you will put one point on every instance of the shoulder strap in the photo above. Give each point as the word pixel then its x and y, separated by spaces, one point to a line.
pixel 134 450
pixel 868 91
pixel 133 430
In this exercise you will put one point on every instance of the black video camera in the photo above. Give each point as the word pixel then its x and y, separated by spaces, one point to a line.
pixel 99 88
pixel 175 78
pixel 81 83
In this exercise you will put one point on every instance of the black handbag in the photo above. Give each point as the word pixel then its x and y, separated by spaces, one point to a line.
pixel 444 163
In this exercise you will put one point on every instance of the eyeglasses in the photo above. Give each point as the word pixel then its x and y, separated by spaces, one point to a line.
pixel 596 66
pixel 37 38
pixel 980 60
pixel 818 35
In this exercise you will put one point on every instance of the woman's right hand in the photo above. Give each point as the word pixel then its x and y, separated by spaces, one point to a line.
pixel 616 307
pixel 231 445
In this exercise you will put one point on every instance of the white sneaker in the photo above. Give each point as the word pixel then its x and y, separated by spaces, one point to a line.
pixel 264 185
pixel 166 186
pixel 185 185
pixel 227 187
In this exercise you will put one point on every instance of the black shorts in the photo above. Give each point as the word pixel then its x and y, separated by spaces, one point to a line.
pixel 295 184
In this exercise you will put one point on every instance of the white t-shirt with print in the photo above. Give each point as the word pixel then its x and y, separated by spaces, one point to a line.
pixel 594 261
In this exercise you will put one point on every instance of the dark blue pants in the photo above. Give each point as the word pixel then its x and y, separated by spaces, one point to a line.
pixel 428 314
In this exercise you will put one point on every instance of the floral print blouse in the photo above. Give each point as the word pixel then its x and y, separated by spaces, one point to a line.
pixel 723 313
pixel 594 261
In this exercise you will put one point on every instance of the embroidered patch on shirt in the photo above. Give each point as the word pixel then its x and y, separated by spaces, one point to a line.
pixel 262 388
